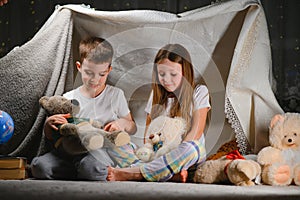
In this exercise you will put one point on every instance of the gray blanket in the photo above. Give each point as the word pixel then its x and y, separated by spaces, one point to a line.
pixel 39 67
pixel 229 46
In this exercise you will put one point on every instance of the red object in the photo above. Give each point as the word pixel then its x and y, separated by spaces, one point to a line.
pixel 68 115
pixel 234 155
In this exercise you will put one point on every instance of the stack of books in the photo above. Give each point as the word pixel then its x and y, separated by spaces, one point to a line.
pixel 12 167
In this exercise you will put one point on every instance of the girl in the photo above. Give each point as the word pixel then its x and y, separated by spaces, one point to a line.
pixel 174 94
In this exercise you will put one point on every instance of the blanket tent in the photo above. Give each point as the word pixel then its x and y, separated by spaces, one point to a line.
pixel 229 46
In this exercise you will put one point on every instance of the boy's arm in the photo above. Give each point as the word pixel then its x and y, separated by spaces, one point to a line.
pixel 126 124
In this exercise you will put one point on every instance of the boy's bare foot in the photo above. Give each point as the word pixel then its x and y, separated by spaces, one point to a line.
pixel 180 177
pixel 125 174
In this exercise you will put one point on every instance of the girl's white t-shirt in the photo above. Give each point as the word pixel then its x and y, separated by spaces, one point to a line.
pixel 109 106
pixel 200 98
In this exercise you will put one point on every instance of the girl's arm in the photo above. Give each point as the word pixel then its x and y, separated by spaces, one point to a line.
pixel 148 121
pixel 125 124
pixel 198 124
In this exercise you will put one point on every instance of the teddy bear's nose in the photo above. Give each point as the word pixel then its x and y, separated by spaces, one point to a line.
pixel 290 140
pixel 151 136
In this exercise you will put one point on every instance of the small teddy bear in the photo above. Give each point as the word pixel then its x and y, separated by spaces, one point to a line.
pixel 163 134
pixel 232 168
pixel 281 160
pixel 156 141
pixel 79 135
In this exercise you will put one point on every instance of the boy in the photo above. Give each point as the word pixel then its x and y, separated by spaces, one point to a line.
pixel 97 101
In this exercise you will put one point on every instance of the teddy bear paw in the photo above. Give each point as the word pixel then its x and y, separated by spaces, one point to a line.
pixel 245 183
pixel 95 142
pixel 68 129
pixel 144 154
pixel 278 175
pixel 121 139
pixel 297 175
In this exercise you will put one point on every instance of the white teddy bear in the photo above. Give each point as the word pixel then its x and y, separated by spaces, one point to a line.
pixel 163 134
pixel 281 160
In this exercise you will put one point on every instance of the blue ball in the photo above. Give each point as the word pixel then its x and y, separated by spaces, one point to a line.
pixel 6 127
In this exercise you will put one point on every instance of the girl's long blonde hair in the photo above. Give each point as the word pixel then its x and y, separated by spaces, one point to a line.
pixel 183 96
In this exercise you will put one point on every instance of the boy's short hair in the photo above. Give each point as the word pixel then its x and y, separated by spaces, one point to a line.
pixel 96 50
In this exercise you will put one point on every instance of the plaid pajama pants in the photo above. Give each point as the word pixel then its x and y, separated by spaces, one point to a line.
pixel 163 168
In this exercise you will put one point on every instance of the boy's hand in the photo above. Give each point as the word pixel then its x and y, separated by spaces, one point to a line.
pixel 58 119
pixel 121 124
pixel 52 122
pixel 112 126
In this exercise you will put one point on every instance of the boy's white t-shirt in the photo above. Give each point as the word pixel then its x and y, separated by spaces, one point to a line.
pixel 109 106
pixel 200 98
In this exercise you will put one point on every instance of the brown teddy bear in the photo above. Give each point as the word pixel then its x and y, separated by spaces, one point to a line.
pixel 232 168
pixel 163 134
pixel 281 160
pixel 79 135
pixel 224 150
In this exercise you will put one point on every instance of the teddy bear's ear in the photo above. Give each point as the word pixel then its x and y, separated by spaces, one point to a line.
pixel 43 100
pixel 75 102
pixel 276 119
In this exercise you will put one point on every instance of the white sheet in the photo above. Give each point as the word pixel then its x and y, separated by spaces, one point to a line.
pixel 229 46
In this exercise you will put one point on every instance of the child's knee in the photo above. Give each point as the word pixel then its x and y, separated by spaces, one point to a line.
pixel 91 169
pixel 39 169
pixel 194 148
pixel 191 146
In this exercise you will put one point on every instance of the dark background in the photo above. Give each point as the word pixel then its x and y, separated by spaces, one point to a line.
pixel 21 19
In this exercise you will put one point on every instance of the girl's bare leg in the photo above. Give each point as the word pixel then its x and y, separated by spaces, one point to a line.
pixel 134 174
pixel 124 174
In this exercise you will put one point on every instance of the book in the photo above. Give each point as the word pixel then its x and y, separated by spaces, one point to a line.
pixel 9 162
pixel 10 174
pixel 12 167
